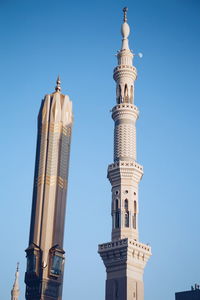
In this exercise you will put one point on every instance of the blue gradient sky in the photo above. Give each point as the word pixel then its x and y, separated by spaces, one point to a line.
pixel 79 40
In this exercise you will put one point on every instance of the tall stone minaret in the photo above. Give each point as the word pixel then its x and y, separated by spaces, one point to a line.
pixel 45 254
pixel 15 289
pixel 125 257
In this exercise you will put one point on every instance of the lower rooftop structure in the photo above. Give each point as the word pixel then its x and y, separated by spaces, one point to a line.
pixel 193 294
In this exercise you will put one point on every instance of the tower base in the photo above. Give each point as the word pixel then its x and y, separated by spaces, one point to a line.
pixel 44 290
pixel 125 261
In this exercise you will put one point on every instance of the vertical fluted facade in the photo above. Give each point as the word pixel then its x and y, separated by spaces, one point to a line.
pixel 45 254
pixel 125 257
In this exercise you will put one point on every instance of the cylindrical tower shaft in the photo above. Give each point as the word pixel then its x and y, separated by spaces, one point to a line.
pixel 125 173
pixel 125 257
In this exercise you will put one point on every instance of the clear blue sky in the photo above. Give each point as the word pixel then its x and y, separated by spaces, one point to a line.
pixel 79 40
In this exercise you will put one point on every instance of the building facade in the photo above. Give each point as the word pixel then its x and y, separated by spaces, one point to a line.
pixel 45 253
pixel 125 257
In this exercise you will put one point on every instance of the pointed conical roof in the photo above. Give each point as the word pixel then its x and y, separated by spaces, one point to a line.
pixel 15 289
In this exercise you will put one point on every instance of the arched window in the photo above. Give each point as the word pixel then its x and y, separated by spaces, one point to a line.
pixel 135 215
pixel 116 204
pixel 131 94
pixel 134 221
pixel 120 95
pixel 125 93
pixel 126 219
pixel 135 207
pixel 126 204
pixel 117 220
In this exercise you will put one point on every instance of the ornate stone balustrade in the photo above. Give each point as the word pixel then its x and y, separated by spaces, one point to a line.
pixel 122 243
pixel 125 164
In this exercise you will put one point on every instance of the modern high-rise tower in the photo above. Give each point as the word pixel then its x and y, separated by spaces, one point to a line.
pixel 125 257
pixel 45 254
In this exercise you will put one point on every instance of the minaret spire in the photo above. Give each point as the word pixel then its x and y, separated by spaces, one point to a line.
pixel 125 31
pixel 58 86
pixel 15 289
pixel 125 73
pixel 125 256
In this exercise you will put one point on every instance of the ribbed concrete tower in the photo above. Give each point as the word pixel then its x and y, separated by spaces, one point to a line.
pixel 15 289
pixel 125 257
pixel 45 254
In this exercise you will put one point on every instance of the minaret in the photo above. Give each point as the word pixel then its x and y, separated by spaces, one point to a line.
pixel 45 254
pixel 15 289
pixel 125 257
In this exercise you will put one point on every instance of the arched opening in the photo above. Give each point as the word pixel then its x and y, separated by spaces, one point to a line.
pixel 131 97
pixel 135 207
pixel 135 215
pixel 126 93
pixel 126 219
pixel 117 220
pixel 126 204
pixel 116 204
pixel 120 95
pixel 126 215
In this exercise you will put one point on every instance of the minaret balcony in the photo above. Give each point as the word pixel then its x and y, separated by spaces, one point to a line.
pixel 119 164
pixel 124 71
pixel 127 250
pixel 124 66
pixel 125 110
pixel 124 170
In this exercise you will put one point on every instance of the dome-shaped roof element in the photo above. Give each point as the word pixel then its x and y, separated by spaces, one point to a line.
pixel 125 30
